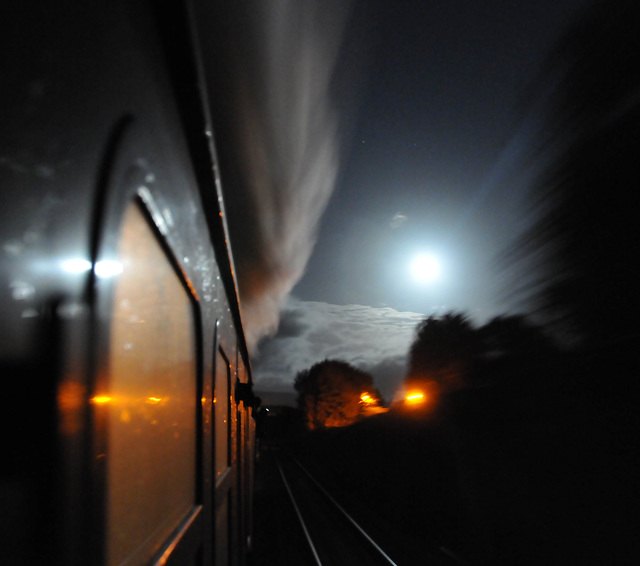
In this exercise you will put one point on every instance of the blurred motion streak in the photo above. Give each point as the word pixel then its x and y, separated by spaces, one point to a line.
pixel 582 243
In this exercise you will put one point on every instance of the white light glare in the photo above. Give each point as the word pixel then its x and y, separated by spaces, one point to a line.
pixel 425 268
pixel 107 268
pixel 76 265
pixel 102 269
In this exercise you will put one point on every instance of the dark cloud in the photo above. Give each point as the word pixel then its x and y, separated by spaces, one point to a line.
pixel 275 384
pixel 291 324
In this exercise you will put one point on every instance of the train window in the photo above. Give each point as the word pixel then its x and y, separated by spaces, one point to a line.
pixel 222 414
pixel 150 398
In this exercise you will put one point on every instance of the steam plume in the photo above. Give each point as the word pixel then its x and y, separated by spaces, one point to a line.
pixel 277 137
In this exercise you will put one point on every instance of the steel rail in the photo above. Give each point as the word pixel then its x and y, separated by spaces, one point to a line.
pixel 348 517
pixel 452 555
pixel 297 509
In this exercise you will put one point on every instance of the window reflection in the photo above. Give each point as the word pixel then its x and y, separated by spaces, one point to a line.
pixel 151 399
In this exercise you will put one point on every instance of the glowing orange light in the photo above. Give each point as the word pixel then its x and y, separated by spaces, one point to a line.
pixel 367 399
pixel 153 400
pixel 100 399
pixel 415 397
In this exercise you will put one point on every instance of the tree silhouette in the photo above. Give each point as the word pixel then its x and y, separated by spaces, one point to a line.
pixel 329 393
pixel 512 347
pixel 444 351
pixel 514 336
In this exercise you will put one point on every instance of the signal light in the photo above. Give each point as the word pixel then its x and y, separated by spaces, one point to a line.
pixel 415 398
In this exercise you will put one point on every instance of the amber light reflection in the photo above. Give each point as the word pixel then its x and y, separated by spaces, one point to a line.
pixel 149 398
pixel 104 399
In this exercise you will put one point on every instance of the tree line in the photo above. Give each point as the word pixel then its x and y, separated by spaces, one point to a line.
pixel 448 353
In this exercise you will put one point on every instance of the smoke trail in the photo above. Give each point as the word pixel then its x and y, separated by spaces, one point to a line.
pixel 277 138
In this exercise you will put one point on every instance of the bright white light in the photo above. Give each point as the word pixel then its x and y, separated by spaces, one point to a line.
pixel 76 265
pixel 107 268
pixel 425 268
pixel 102 269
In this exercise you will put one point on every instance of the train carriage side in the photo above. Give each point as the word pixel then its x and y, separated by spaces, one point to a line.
pixel 126 403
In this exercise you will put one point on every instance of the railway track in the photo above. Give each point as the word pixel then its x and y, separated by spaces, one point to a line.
pixel 333 535
pixel 339 533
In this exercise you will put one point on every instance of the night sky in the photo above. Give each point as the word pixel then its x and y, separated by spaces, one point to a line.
pixel 439 111
pixel 429 146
